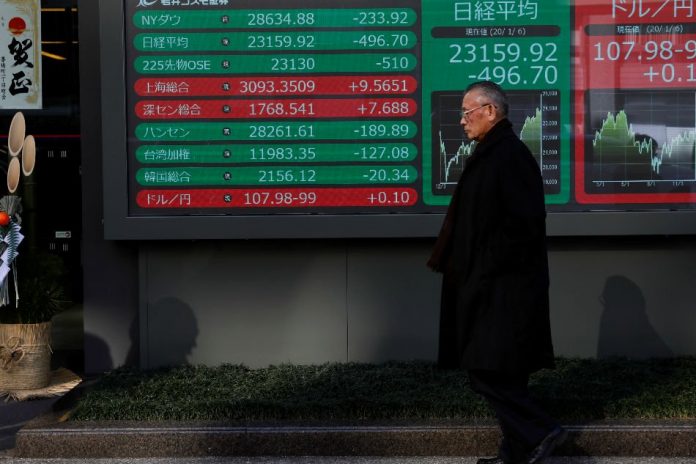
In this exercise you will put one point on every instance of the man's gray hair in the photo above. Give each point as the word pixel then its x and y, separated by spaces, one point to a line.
pixel 494 93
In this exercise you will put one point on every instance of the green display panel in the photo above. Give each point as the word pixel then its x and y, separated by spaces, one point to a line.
pixel 524 47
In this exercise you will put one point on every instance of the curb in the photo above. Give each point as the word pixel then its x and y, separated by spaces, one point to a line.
pixel 139 440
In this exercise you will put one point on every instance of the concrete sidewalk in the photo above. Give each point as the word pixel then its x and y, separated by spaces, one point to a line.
pixel 44 439
pixel 342 460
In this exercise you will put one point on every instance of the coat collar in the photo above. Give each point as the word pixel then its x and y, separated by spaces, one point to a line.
pixel 499 131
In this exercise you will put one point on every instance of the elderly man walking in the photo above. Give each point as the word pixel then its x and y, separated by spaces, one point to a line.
pixel 494 318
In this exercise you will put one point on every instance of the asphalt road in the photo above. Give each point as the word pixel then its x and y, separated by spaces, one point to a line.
pixel 342 460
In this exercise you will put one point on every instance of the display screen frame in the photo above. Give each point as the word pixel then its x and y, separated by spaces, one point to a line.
pixel 119 224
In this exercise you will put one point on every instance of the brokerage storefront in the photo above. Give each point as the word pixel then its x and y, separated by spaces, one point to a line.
pixel 272 173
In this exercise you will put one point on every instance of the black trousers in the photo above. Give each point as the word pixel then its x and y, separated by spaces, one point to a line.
pixel 522 422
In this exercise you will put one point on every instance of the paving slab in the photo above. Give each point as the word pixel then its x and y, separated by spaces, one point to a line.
pixel 341 460
pixel 14 415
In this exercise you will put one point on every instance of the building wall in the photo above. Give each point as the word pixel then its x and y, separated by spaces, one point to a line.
pixel 110 269
pixel 268 302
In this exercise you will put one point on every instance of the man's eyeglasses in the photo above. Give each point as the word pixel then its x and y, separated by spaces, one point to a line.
pixel 465 113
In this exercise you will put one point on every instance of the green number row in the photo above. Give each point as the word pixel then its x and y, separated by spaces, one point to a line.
pixel 268 41
pixel 275 131
pixel 294 153
pixel 277 175
pixel 275 64
pixel 269 19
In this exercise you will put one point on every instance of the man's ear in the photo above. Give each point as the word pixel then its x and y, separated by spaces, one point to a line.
pixel 492 113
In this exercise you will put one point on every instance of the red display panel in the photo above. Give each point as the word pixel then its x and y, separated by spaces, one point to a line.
pixel 275 198
pixel 275 86
pixel 635 102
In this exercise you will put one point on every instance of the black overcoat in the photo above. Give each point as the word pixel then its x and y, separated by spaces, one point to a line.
pixel 492 252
